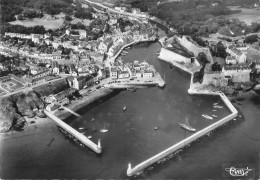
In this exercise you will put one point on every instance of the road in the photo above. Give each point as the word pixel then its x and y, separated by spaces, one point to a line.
pixel 31 87
pixel 129 14
pixel 115 11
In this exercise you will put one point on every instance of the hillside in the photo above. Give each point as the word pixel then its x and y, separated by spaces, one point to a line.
pixel 10 8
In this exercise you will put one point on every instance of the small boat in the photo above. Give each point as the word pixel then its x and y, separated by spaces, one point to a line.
pixel 214 110
pixel 81 128
pixel 187 126
pixel 214 115
pixel 131 89
pixel 89 137
pixel 124 108
pixel 215 104
pixel 206 116
pixel 103 130
pixel 218 106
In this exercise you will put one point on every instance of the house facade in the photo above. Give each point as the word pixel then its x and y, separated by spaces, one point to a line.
pixel 240 56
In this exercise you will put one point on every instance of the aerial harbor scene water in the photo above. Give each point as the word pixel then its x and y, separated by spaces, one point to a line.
pixel 108 89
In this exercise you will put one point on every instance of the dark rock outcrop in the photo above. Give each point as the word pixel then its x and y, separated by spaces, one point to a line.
pixel 41 114
pixel 14 107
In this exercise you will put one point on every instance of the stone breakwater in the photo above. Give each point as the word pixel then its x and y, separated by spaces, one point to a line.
pixel 192 91
pixel 96 148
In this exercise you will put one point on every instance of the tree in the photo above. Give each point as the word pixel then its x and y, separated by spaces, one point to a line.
pixel 202 58
pixel 68 18
pixel 216 67
pixel 251 39
pixel 220 50
pixel 198 76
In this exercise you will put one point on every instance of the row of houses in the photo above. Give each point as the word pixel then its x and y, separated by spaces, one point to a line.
pixel 142 70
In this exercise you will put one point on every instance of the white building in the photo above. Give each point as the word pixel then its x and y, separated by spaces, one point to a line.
pixel 147 74
pixel 237 73
pixel 123 74
pixel 56 71
pixel 231 60
pixel 240 56
pixel 113 73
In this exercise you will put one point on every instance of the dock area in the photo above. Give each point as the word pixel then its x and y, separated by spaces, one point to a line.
pixel 192 91
pixel 140 167
pixel 111 60
pixel 156 80
pixel 83 139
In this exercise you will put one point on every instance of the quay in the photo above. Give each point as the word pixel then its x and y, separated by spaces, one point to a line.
pixel 138 83
pixel 192 91
pixel 111 60
pixel 96 148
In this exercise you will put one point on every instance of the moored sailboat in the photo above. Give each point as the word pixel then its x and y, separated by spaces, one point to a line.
pixel 187 126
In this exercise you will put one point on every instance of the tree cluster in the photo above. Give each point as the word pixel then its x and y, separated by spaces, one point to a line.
pixel 22 29
pixel 32 14
pixel 123 23
pixel 202 58
pixel 10 8
pixel 199 41
pixel 219 50
pixel 251 39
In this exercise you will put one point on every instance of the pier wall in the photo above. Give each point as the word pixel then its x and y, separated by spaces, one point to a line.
pixel 76 134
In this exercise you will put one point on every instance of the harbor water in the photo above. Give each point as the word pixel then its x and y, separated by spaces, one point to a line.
pixel 131 136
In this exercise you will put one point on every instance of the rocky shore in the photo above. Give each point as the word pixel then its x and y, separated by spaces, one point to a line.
pixel 14 108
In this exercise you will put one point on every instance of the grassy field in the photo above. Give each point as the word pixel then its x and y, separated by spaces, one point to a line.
pixel 246 15
pixel 47 21
pixel 252 55
pixel 86 22
pixel 220 60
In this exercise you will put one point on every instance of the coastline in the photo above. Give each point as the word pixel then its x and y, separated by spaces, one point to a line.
pixel 41 123
pixel 84 101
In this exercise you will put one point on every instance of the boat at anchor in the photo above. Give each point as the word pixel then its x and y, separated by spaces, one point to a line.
pixel 187 126
pixel 207 116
